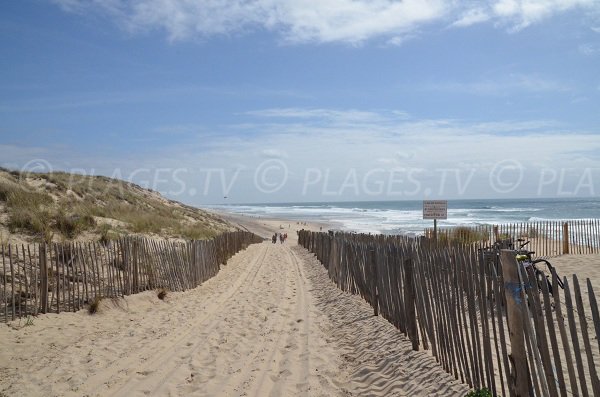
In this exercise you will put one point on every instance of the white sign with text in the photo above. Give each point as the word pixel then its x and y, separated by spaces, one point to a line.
pixel 435 209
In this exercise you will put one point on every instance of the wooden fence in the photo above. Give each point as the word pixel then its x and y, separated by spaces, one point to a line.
pixel 478 314
pixel 40 278
pixel 547 238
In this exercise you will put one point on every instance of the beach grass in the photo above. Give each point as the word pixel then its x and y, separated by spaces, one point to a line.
pixel 64 205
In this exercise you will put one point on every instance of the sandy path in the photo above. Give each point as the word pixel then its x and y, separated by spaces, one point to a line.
pixel 251 330
pixel 269 324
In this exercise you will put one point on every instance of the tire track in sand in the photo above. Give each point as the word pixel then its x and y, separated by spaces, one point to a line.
pixel 284 357
pixel 254 301
pixel 258 344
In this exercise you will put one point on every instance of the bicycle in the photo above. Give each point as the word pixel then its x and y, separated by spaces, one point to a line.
pixel 525 258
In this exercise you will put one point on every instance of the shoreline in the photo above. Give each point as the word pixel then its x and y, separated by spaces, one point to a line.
pixel 584 265
pixel 405 217
pixel 267 226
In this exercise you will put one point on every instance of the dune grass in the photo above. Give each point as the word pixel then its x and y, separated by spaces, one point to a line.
pixel 65 205
pixel 463 235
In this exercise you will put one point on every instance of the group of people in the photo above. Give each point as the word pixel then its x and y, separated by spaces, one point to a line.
pixel 282 237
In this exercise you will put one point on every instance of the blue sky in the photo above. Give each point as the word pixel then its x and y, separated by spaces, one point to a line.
pixel 268 100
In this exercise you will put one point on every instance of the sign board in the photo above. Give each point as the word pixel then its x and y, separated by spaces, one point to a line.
pixel 435 209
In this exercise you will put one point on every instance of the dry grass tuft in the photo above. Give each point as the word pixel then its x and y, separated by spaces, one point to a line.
pixel 462 235
pixel 93 308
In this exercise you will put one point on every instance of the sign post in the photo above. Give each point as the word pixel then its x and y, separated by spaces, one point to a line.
pixel 435 209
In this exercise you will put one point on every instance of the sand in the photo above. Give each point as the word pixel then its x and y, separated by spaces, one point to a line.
pixel 585 266
pixel 269 324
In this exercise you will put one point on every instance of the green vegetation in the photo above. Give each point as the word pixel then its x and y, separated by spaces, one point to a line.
pixel 27 209
pixel 72 225
pixel 463 235
pixel 504 236
pixel 66 205
pixel 479 393
pixel 106 234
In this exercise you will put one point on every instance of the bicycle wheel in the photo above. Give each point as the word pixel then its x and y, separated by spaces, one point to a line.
pixel 550 270
pixel 542 278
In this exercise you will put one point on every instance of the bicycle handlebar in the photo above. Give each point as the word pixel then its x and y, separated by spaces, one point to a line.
pixel 524 244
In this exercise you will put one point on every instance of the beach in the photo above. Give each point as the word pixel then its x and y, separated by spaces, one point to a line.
pixel 270 323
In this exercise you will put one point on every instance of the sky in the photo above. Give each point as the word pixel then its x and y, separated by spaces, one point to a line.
pixel 213 102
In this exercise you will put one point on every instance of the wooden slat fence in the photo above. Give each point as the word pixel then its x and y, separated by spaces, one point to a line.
pixel 547 238
pixel 51 278
pixel 483 319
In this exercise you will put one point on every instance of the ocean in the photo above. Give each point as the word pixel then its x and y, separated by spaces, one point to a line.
pixel 405 217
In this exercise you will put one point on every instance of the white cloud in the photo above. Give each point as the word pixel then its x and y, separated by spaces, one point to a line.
pixel 273 154
pixel 503 85
pixel 386 142
pixel 589 49
pixel 297 21
pixel 351 115
pixel 302 21
pixel 522 13
pixel 472 17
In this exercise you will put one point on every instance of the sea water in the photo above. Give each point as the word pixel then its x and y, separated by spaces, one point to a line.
pixel 405 217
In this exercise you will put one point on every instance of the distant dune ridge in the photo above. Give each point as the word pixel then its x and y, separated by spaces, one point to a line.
pixel 59 206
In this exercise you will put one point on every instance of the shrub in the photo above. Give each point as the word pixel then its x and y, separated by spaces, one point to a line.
pixel 467 235
pixel 29 219
pixel 71 225
pixel 5 190
pixel 479 393
pixel 26 209
pixel 193 232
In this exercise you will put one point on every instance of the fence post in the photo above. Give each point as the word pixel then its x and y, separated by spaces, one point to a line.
pixel 43 278
pixel 519 376
pixel 409 304
pixel 333 258
pixel 496 233
pixel 565 238
pixel 374 275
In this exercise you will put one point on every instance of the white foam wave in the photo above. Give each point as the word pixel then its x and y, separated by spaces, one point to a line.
pixel 386 220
